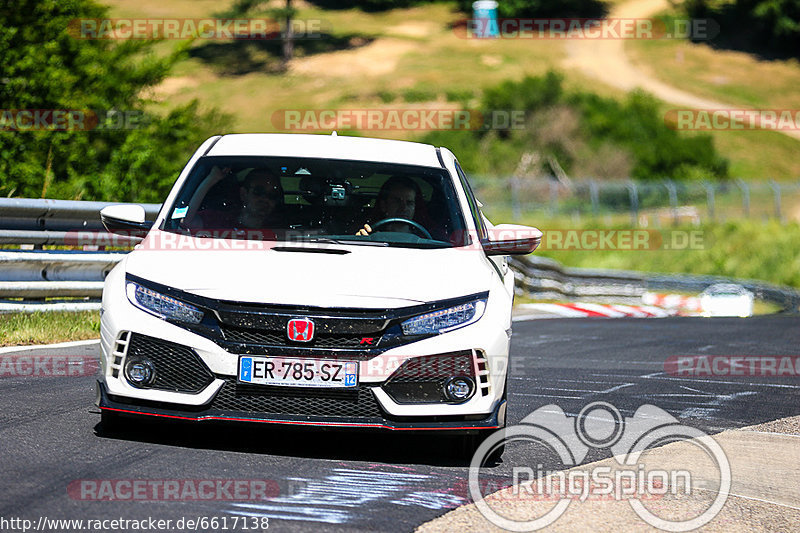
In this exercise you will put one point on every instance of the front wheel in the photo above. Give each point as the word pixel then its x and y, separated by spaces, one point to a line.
pixel 111 422
pixel 471 443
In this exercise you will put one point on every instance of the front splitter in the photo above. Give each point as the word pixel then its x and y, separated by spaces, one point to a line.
pixel 106 402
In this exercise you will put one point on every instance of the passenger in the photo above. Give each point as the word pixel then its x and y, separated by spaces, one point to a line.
pixel 262 201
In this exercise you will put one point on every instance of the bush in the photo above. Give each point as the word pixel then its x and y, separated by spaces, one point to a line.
pixel 588 135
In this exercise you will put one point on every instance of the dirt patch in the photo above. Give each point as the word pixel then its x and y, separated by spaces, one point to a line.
pixel 794 213
pixel 491 60
pixel 606 60
pixel 413 29
pixel 172 86
pixel 375 59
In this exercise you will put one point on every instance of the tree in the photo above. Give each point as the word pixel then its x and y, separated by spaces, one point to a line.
pixel 45 67
pixel 767 27
pixel 244 8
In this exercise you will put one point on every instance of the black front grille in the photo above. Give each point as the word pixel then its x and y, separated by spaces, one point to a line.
pixel 435 367
pixel 177 368
pixel 278 338
pixel 336 403
pixel 422 379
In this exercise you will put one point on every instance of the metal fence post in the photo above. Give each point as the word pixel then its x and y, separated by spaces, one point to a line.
pixel 516 211
pixel 633 193
pixel 776 190
pixel 745 196
pixel 673 200
pixel 709 199
pixel 595 197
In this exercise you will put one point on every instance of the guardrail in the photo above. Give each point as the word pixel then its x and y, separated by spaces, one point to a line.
pixel 45 280
pixel 55 222
pixel 544 278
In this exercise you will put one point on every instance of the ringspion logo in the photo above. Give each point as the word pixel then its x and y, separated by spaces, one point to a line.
pixel 631 477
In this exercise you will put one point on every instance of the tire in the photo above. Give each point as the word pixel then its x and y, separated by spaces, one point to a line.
pixel 111 422
pixel 471 443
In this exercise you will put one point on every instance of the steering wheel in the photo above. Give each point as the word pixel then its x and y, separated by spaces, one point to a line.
pixel 415 225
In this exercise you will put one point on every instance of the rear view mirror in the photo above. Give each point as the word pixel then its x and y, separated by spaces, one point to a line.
pixel 125 220
pixel 512 239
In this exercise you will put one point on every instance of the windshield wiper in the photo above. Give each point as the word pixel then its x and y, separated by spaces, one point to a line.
pixel 325 240
pixel 421 245
pixel 308 250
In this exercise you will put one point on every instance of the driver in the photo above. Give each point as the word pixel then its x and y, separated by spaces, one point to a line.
pixel 396 199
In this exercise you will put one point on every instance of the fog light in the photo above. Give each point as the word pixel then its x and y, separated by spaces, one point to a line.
pixel 459 388
pixel 140 372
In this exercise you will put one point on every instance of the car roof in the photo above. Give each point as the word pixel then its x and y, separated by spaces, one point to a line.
pixel 326 146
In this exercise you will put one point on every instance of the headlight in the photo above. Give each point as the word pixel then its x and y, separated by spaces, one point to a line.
pixel 445 320
pixel 162 306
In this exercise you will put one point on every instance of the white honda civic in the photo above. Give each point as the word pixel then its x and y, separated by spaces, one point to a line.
pixel 316 280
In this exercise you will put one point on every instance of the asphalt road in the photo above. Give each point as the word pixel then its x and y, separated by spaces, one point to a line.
pixel 342 480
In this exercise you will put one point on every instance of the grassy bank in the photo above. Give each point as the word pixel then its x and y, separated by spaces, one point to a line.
pixel 743 249
pixel 413 58
pixel 17 329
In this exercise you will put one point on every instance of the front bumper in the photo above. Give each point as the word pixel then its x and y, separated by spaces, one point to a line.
pixel 196 395
pixel 378 419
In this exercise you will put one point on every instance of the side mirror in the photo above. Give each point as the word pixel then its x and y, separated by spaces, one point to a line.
pixel 125 220
pixel 512 239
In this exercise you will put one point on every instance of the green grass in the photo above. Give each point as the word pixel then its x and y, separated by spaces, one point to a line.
pixel 728 76
pixel 416 57
pixel 742 249
pixel 738 79
pixel 44 328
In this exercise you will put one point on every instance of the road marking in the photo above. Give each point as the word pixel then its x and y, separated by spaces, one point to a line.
pixel 72 344
pixel 618 387
pixel 546 396
pixel 752 497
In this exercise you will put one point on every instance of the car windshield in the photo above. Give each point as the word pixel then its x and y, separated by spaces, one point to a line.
pixel 318 200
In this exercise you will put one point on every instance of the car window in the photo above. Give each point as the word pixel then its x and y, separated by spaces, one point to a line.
pixel 273 198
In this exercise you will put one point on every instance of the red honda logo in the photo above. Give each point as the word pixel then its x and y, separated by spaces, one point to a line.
pixel 300 329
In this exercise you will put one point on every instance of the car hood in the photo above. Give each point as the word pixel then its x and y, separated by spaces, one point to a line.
pixel 365 276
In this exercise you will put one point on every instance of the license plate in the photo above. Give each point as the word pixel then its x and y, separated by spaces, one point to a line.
pixel 297 372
